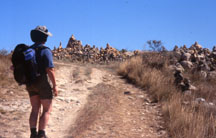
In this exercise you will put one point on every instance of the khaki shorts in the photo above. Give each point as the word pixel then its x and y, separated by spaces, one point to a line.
pixel 41 87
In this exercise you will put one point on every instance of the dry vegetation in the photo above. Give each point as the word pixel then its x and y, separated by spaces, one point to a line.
pixel 4 68
pixel 6 77
pixel 184 119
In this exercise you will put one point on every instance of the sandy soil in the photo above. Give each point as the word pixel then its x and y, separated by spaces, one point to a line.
pixel 92 103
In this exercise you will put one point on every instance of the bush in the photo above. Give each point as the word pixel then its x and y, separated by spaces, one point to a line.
pixel 156 45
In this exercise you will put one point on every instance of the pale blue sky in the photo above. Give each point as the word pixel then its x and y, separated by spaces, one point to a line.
pixel 122 23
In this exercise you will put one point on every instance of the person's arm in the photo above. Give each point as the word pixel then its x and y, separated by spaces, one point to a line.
pixel 51 74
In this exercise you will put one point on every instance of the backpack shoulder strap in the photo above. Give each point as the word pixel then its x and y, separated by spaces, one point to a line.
pixel 39 49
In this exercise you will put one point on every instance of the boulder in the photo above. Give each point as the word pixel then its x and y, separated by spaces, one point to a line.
pixel 186 56
pixel 200 100
pixel 197 46
pixel 201 57
pixel 203 74
pixel 179 67
pixel 193 88
pixel 212 75
pixel 186 64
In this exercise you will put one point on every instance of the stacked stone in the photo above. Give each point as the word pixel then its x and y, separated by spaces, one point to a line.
pixel 184 84
pixel 197 59
pixel 75 51
pixel 194 58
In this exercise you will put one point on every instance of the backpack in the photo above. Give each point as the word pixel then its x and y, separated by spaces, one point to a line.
pixel 24 60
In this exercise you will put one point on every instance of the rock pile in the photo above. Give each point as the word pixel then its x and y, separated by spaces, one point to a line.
pixel 194 58
pixel 184 84
pixel 75 51
pixel 199 60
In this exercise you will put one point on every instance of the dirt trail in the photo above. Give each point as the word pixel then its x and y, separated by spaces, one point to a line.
pixel 92 103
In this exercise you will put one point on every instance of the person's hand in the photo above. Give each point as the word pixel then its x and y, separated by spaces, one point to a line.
pixel 55 91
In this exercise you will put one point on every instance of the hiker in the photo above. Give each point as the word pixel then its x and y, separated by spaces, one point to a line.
pixel 40 91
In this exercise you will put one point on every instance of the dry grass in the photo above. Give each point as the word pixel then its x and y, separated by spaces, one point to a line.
pixel 148 75
pixel 150 71
pixel 6 77
pixel 206 87
pixel 5 71
pixel 187 122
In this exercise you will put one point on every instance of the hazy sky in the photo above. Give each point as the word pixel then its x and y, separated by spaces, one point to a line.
pixel 121 23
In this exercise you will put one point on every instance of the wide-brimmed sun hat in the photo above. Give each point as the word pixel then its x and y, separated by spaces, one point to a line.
pixel 42 29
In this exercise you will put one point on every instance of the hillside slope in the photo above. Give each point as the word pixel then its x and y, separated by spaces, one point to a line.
pixel 92 103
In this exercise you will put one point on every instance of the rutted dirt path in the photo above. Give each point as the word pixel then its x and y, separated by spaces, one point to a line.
pixel 92 103
pixel 74 83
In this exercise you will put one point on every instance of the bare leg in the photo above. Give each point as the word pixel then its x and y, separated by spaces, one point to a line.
pixel 35 103
pixel 47 106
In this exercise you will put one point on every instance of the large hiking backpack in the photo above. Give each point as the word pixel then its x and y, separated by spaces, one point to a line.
pixel 24 60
